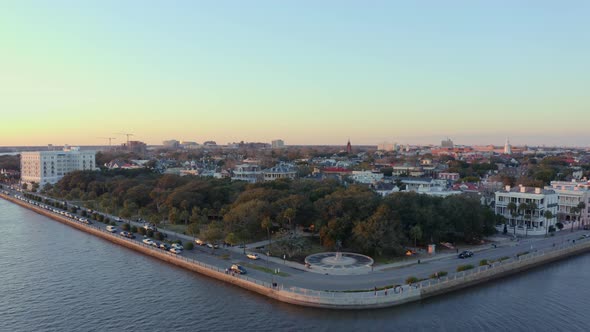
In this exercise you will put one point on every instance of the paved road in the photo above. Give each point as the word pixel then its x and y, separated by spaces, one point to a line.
pixel 299 276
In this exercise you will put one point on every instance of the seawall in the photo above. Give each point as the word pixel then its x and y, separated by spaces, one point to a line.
pixel 327 299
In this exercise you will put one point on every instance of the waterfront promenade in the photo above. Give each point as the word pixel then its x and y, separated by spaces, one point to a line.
pixel 303 287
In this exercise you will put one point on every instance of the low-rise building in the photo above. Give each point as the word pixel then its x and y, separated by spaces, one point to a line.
pixel 247 172
pixel 569 196
pixel 529 220
pixel 281 171
pixel 366 177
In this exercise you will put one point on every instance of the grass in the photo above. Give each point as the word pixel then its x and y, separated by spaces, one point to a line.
pixel 174 228
pixel 265 270
pixel 464 267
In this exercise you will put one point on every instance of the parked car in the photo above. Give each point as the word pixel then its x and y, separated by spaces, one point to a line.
pixel 165 246
pixel 177 246
pixel 111 229
pixel 238 269
pixel 176 250
pixel 465 254
pixel 252 255
pixel 147 241
pixel 127 235
pixel 212 246
pixel 200 242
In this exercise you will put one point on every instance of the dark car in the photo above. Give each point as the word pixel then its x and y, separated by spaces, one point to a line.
pixel 465 254
pixel 238 269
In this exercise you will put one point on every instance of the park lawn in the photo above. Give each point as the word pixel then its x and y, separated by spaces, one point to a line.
pixel 265 270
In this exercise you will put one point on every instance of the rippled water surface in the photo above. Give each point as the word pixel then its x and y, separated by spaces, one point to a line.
pixel 56 278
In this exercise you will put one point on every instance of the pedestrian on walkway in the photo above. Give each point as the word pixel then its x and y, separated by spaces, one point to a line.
pixel 385 291
pixel 375 290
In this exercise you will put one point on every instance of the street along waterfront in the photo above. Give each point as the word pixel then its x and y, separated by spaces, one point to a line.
pixel 55 278
pixel 342 300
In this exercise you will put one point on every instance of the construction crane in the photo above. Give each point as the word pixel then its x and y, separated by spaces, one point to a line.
pixel 126 134
pixel 109 138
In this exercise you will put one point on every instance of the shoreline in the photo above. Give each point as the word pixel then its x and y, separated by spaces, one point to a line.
pixel 330 299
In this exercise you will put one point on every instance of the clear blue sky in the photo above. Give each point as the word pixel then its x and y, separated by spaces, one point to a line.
pixel 309 72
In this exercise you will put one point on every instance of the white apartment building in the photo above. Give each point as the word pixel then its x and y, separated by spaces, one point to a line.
pixel 521 223
pixel 570 195
pixel 45 167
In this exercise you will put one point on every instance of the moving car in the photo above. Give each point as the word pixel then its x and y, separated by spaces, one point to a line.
pixel 465 254
pixel 238 269
pixel 212 246
pixel 200 242
pixel 252 256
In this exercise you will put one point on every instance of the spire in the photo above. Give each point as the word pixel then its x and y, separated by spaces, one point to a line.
pixel 507 147
pixel 348 147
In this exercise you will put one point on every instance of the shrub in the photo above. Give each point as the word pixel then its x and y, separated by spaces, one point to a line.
pixel 483 262
pixel 126 227
pixel 107 220
pixel 83 214
pixel 552 229
pixel 112 223
pixel 559 225
pixel 411 280
pixel 133 229
pixel 440 274
pixel 503 258
pixel 188 245
pixel 464 267
pixel 158 236
pixel 149 233
pixel 141 230
pixel 522 253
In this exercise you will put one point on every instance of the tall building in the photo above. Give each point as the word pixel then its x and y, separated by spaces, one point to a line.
pixel 447 143
pixel 45 167
pixel 172 144
pixel 277 144
pixel 348 147
pixel 507 147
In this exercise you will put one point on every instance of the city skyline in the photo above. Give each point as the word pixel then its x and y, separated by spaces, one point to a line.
pixel 308 73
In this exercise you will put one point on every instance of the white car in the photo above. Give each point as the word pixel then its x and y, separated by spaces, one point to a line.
pixel 175 250
pixel 200 242
pixel 177 246
pixel 111 229
pixel 252 255
pixel 148 241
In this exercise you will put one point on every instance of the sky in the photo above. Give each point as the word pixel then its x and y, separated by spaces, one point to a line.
pixel 307 72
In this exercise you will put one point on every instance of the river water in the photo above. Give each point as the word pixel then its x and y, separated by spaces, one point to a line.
pixel 56 278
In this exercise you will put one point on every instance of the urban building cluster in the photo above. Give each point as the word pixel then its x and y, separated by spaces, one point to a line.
pixel 535 189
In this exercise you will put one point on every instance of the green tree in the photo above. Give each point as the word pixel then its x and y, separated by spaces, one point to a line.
pixel 416 234
pixel 548 216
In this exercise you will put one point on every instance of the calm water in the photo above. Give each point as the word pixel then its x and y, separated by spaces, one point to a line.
pixel 55 278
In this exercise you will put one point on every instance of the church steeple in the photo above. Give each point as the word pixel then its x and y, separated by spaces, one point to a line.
pixel 507 147
pixel 348 147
